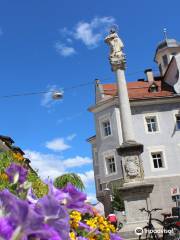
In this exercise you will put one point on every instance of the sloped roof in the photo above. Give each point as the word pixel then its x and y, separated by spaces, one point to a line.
pixel 140 90
pixel 6 139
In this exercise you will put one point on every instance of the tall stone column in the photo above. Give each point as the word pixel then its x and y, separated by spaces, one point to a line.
pixel 125 111
pixel 134 191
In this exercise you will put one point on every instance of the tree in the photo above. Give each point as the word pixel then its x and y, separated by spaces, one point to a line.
pixel 117 203
pixel 72 178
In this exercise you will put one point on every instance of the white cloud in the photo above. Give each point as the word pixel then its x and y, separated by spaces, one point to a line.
pixel 64 50
pixel 91 33
pixel 47 99
pixel 57 145
pixel 77 162
pixel 1 32
pixel 71 137
pixel 48 165
pixel 52 165
pixel 87 177
pixel 84 32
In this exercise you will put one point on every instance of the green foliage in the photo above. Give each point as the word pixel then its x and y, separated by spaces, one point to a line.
pixel 73 178
pixel 6 158
pixel 39 188
pixel 117 203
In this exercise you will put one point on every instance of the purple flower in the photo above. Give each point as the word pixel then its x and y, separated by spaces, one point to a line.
pixel 70 197
pixel 84 226
pixel 31 198
pixel 58 194
pixel 114 236
pixel 47 233
pixel 21 215
pixel 6 229
pixel 75 199
pixel 55 216
pixel 16 171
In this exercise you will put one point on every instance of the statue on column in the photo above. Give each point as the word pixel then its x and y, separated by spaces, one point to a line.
pixel 117 57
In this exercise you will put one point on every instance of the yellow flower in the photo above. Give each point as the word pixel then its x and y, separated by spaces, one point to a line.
pixel 4 177
pixel 75 218
pixel 100 219
pixel 72 236
pixel 18 156
pixel 92 222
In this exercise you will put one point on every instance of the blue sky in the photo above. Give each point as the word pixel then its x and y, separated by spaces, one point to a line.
pixel 49 44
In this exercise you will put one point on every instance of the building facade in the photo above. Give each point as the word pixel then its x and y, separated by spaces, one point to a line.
pixel 155 108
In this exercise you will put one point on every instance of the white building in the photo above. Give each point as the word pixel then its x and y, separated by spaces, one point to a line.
pixel 155 107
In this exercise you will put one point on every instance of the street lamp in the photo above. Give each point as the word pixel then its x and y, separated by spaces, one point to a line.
pixel 57 95
pixel 108 198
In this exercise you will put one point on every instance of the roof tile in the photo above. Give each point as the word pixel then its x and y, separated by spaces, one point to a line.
pixel 140 90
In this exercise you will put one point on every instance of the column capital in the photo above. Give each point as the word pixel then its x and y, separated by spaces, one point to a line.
pixel 117 63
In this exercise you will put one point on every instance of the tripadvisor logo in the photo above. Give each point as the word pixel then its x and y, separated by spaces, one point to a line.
pixel 138 231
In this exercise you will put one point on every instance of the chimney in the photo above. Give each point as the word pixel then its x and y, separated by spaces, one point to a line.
pixel 149 75
pixel 99 92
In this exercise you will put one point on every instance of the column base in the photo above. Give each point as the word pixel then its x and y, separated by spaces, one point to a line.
pixel 136 196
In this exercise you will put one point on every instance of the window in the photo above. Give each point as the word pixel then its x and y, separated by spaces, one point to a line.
pixel 178 122
pixel 110 165
pixel 165 60
pixel 153 88
pixel 151 122
pixel 106 128
pixel 157 160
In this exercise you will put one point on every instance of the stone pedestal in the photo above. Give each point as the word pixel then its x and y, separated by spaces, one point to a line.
pixel 132 164
pixel 135 191
pixel 136 196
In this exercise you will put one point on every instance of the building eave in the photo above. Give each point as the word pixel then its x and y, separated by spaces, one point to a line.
pixel 135 102
pixel 6 138
pixel 92 139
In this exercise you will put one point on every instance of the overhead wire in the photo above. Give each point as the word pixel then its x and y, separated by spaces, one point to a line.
pixel 44 92
pixel 62 89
